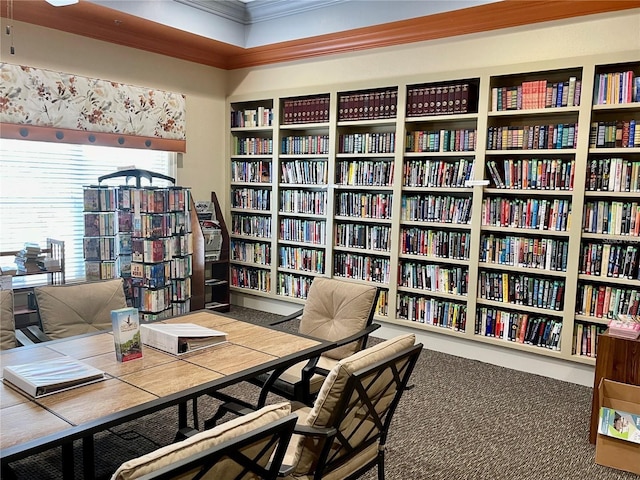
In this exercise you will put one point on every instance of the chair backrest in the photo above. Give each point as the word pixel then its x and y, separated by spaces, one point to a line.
pixel 358 399
pixel 67 310
pixel 248 447
pixel 7 323
pixel 335 310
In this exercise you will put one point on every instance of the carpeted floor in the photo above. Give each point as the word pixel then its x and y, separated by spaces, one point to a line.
pixel 463 420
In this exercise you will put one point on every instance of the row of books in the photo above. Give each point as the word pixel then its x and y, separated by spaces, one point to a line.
pixel 435 243
pixel 585 339
pixel 100 224
pixel 251 198
pixel 607 260
pixel 443 140
pixel 614 134
pixel 252 117
pixel 530 213
pixel 521 289
pixel 250 252
pixel 532 137
pixel 101 270
pixel 432 311
pixel 306 172
pixel 364 205
pixel 443 99
pixel 181 267
pixel 180 289
pixel 305 231
pixel 305 110
pixel 254 172
pixel 606 301
pixel 152 300
pixel 252 146
pixel 616 88
pixel 436 208
pixel 613 175
pixel 305 145
pixel 382 305
pixel 251 225
pixel 532 173
pixel 370 105
pixel 612 218
pixel 313 202
pixel 540 253
pixel 144 199
pixel 302 258
pixel 437 173
pixel 369 142
pixel 361 267
pixel 251 278
pixel 519 327
pixel 365 173
pixel 535 94
pixel 363 236
pixel 434 278
pixel 100 248
pixel 176 223
pixel 294 286
pixel 151 275
pixel 153 250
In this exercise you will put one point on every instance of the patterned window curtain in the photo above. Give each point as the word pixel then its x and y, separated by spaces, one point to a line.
pixel 43 105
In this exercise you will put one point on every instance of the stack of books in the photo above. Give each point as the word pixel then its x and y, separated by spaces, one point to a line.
pixel 625 326
pixel 27 259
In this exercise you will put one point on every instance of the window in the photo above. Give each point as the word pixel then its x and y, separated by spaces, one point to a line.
pixel 41 191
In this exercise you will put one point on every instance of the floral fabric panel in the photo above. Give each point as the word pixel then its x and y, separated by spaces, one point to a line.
pixel 32 96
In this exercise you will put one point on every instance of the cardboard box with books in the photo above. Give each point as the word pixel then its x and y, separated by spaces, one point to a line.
pixel 615 446
pixel 126 333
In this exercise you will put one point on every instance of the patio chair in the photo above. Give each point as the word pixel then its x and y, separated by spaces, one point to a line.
pixel 247 447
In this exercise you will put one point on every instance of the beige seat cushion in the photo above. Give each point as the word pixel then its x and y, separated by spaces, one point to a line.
pixel 202 441
pixel 302 451
pixel 335 310
pixel 7 323
pixel 67 310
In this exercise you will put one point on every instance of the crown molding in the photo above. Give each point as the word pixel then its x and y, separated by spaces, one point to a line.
pixel 105 24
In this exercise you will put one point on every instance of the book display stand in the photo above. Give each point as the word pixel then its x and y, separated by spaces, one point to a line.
pixel 144 235
pixel 499 205
pixel 216 258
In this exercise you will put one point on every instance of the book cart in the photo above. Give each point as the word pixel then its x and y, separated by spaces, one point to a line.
pixel 143 234
pixel 500 205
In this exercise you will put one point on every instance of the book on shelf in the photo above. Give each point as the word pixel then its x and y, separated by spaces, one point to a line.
pixel 180 338
pixel 126 333
pixel 45 378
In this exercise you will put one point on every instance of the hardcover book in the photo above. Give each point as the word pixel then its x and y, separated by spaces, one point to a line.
pixel 45 378
pixel 126 334
pixel 180 338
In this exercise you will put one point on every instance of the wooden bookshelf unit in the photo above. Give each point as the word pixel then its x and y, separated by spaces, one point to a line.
pixel 474 199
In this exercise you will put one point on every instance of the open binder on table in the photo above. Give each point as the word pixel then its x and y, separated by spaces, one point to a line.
pixel 180 338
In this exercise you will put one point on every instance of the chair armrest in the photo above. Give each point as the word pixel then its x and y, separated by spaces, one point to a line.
pixel 357 336
pixel 326 435
pixel 288 318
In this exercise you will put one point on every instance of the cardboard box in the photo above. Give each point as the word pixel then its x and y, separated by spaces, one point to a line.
pixel 617 452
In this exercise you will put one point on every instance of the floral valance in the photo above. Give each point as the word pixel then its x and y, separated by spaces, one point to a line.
pixel 44 105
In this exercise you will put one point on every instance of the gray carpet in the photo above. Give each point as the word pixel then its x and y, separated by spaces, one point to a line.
pixel 463 420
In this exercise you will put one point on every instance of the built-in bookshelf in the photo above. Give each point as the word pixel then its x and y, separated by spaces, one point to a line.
pixel 500 206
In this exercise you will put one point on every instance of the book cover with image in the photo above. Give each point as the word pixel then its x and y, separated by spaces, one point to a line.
pixel 126 334
pixel 618 424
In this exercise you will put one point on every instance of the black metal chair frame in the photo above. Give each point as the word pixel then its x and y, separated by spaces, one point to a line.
pixel 271 382
pixel 277 433
pixel 337 449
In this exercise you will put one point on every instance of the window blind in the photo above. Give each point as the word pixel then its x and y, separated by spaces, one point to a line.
pixel 41 192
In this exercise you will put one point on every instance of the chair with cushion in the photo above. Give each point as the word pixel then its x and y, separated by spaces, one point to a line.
pixel 7 324
pixel 67 310
pixel 335 310
pixel 247 447
pixel 344 434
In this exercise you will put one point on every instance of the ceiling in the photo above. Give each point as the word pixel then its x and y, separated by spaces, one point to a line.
pixel 252 23
pixel 232 34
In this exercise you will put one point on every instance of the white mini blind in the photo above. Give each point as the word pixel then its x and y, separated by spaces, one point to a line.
pixel 41 191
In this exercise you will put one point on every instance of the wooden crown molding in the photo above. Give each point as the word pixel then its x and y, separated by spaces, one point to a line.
pixel 101 23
